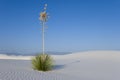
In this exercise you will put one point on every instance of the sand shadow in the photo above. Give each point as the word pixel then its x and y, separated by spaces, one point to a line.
pixel 75 62
pixel 56 67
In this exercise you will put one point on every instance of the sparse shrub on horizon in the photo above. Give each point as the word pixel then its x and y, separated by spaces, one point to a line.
pixel 42 62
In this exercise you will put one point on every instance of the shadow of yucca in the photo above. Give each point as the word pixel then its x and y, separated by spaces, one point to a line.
pixel 56 67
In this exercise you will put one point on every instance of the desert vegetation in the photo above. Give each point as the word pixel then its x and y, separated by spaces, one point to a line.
pixel 42 62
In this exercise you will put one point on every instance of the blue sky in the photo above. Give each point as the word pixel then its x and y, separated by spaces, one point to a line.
pixel 74 25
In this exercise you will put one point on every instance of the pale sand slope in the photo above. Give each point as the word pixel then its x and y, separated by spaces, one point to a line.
pixel 91 65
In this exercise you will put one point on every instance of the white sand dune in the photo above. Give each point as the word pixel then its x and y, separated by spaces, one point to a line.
pixel 91 65
pixel 3 56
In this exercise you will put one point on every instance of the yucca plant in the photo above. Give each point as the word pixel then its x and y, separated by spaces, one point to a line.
pixel 42 62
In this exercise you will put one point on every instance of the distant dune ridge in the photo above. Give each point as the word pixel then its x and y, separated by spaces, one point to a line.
pixel 90 65
pixel 25 53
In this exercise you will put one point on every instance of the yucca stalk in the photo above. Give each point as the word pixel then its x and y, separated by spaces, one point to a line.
pixel 43 18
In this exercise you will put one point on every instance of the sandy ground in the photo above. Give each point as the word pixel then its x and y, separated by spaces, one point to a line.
pixel 91 65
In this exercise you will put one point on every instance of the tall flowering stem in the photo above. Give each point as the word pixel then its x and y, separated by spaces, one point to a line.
pixel 43 18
